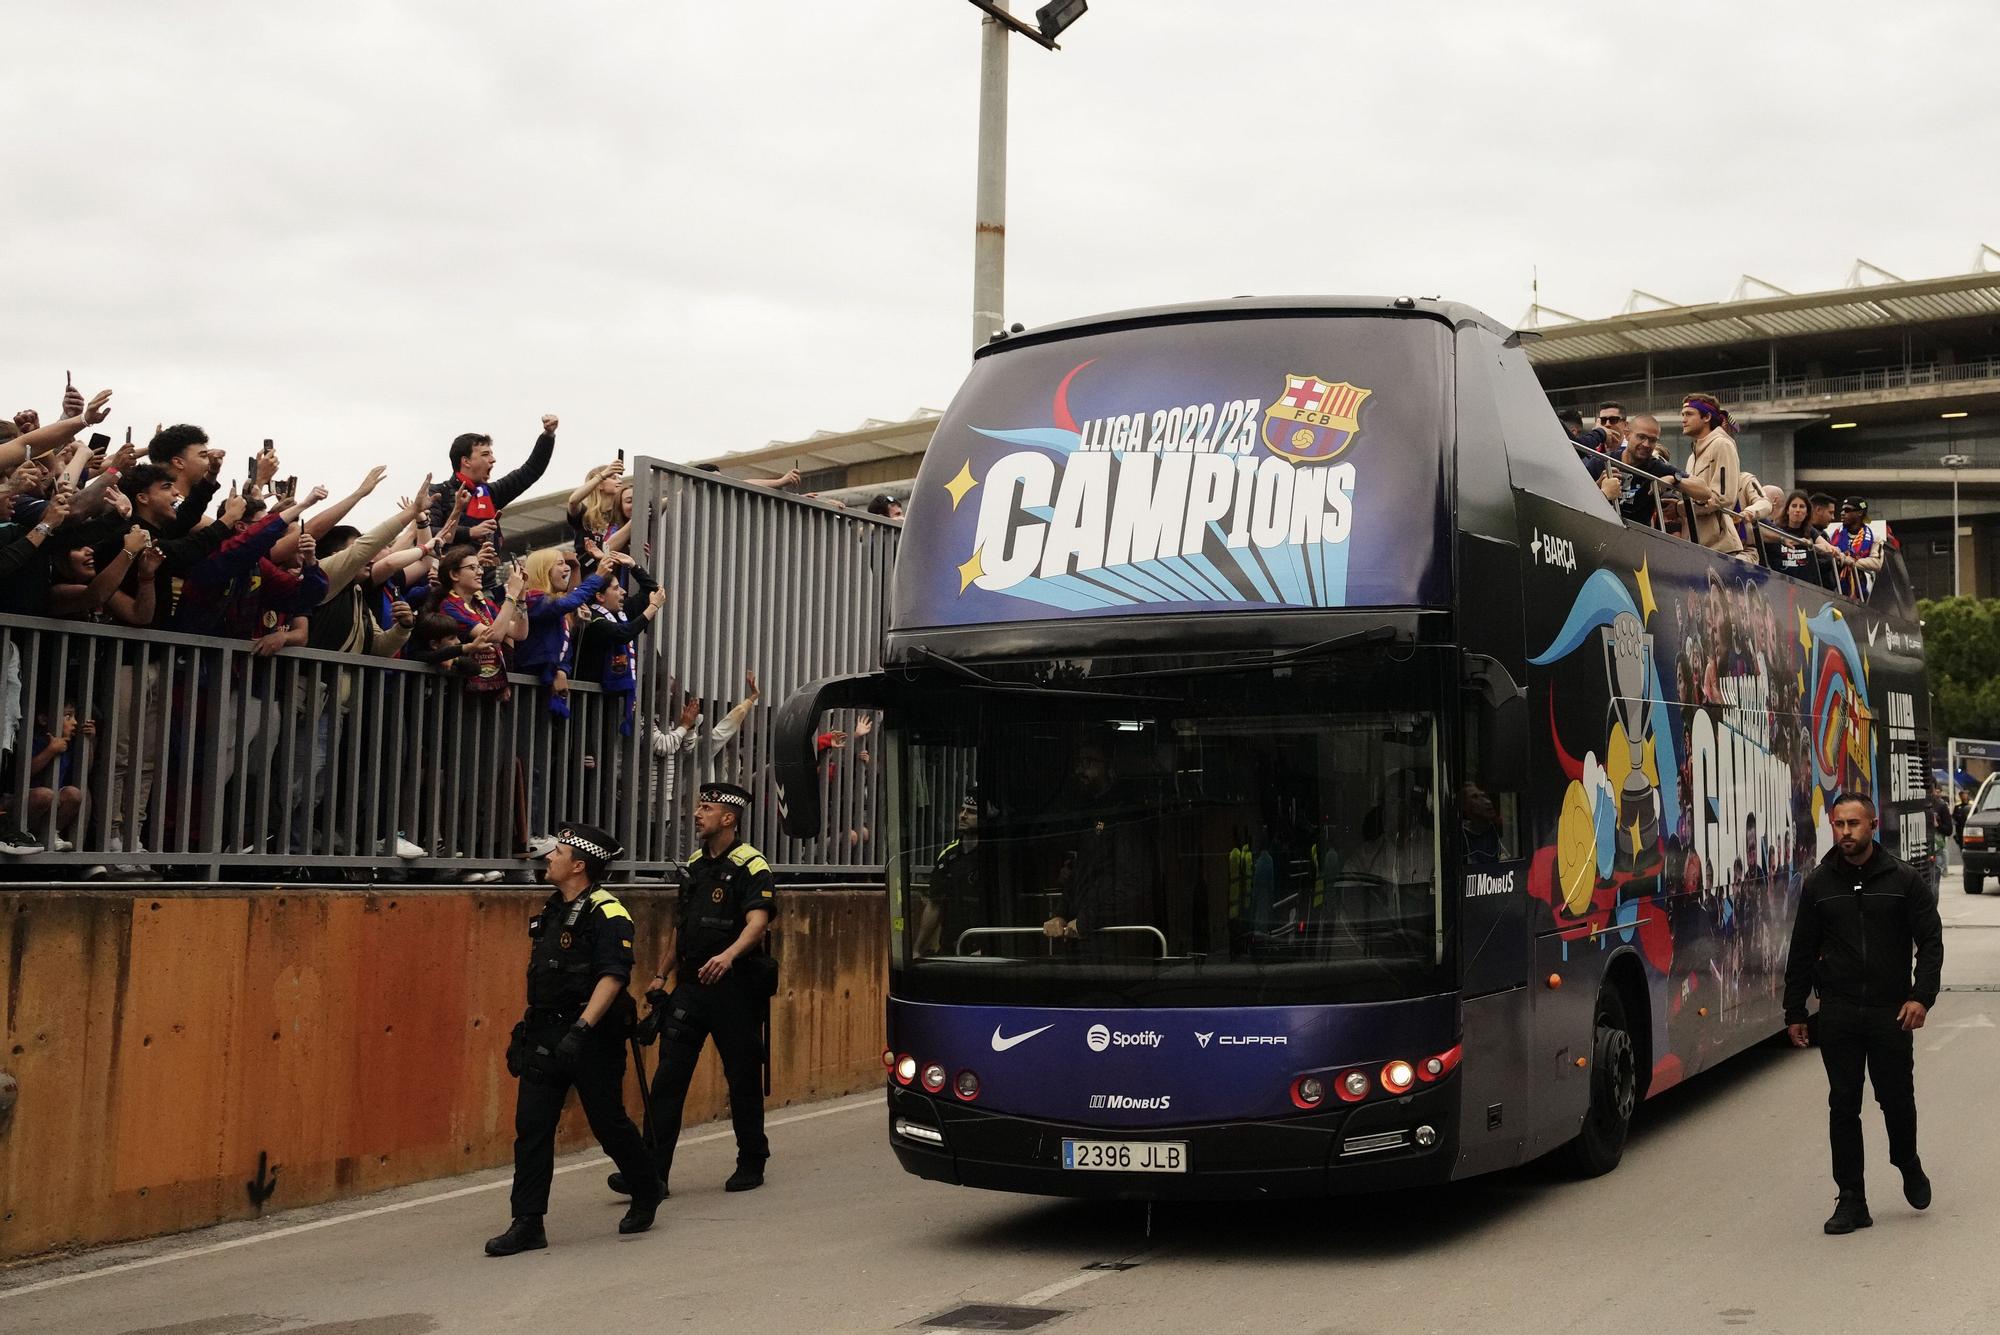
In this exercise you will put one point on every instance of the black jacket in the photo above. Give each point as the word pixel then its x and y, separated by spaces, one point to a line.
pixel 1855 931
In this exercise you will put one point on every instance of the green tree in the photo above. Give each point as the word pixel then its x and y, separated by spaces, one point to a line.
pixel 1962 653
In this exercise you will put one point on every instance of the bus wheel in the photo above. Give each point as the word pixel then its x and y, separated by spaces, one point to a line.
pixel 1614 1092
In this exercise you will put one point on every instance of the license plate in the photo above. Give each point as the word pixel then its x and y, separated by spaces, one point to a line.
pixel 1125 1156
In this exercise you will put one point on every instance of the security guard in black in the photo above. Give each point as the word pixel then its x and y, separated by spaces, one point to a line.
pixel 572 1035
pixel 723 978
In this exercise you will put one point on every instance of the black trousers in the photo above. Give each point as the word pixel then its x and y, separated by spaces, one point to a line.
pixel 1852 1038
pixel 538 1106
pixel 732 1013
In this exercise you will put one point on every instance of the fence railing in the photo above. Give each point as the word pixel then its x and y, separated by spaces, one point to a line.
pixel 1665 393
pixel 193 755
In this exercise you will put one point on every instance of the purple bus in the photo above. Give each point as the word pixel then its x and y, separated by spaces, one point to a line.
pixel 1300 779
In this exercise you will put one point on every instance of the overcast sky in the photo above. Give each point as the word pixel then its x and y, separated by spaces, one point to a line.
pixel 693 228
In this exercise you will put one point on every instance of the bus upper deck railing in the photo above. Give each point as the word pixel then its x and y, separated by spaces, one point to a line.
pixel 1670 512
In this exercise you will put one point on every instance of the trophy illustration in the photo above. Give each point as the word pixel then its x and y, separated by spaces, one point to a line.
pixel 1628 666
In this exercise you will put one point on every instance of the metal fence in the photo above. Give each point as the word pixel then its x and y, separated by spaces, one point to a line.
pixel 191 755
pixel 1666 392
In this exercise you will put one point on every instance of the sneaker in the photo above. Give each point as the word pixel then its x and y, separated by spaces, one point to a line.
pixel 1848 1215
pixel 539 846
pixel 62 845
pixel 97 871
pixel 523 1235
pixel 747 1177
pixel 473 878
pixel 403 848
pixel 16 844
pixel 1916 1187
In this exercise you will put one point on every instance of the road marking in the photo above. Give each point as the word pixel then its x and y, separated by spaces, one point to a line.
pixel 1078 1280
pixel 292 1230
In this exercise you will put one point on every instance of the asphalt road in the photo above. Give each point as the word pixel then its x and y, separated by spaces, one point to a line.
pixel 1711 1223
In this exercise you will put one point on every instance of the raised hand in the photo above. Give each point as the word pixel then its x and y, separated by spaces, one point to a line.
pixel 690 712
pixel 99 408
pixel 315 496
pixel 234 508
pixel 214 458
pixel 402 613
pixel 149 562
pixel 125 456
pixel 308 548
pixel 751 691
pixel 137 540
pixel 267 466
pixel 372 481
pixel 487 556
pixel 656 600
pixel 863 726
pixel 27 420
pixel 480 532
pixel 549 423
pixel 72 401
pixel 413 507
pixel 517 583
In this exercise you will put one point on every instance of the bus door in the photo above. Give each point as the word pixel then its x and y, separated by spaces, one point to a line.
pixel 1494 925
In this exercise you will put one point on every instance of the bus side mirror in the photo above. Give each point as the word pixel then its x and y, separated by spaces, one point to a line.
pixel 1499 715
pixel 795 745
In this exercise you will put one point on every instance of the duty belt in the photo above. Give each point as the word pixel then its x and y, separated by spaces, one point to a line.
pixel 555 1014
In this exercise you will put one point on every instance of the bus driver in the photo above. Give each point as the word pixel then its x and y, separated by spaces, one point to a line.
pixel 1107 873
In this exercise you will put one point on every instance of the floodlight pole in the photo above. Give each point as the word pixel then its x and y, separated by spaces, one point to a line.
pixel 1955 462
pixel 989 245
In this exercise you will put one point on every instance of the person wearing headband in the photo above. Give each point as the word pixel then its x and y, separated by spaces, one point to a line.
pixel 724 978
pixel 573 1035
pixel 1714 474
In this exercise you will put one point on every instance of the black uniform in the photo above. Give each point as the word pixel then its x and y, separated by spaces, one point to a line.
pixel 717 896
pixel 1852 942
pixel 576 942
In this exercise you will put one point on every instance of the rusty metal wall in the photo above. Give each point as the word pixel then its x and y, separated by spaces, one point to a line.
pixel 166 1045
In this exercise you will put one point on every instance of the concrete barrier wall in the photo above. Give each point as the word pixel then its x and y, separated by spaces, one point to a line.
pixel 167 1045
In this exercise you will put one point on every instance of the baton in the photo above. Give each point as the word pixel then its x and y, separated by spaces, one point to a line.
pixel 645 1091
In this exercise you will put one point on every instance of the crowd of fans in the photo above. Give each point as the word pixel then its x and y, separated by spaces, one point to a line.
pixel 164 535
pixel 1715 501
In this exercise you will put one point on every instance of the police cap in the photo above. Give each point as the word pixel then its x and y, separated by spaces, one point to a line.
pixel 601 846
pixel 725 794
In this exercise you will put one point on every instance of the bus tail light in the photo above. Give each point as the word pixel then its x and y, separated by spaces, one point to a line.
pixel 934 1078
pixel 1353 1086
pixel 966 1087
pixel 906 1069
pixel 1397 1077
pixel 1440 1066
pixel 1308 1091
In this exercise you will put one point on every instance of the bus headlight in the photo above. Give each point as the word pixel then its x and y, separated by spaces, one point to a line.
pixel 1308 1091
pixel 934 1078
pixel 1354 1086
pixel 966 1087
pixel 1398 1076
pixel 906 1069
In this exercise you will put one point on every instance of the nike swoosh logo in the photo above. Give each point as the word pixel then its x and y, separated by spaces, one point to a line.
pixel 1002 1044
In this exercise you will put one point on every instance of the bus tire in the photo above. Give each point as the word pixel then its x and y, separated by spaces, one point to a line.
pixel 1614 1092
pixel 1975 882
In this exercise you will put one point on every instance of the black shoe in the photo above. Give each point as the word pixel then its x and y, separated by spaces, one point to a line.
pixel 640 1217
pixel 524 1235
pixel 1916 1187
pixel 747 1177
pixel 617 1183
pixel 1848 1215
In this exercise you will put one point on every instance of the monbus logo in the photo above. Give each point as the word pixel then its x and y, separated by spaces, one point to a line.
pixel 1133 1102
pixel 1479 883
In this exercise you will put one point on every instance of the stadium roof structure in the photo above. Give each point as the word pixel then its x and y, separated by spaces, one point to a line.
pixel 1786 315
pixel 871 442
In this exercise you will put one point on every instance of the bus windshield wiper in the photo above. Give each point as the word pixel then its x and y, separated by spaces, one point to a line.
pixel 978 678
pixel 1354 640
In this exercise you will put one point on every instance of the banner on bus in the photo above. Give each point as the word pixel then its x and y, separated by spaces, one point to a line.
pixel 1254 464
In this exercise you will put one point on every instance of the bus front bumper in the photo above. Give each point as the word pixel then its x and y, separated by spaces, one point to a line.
pixel 1370 1147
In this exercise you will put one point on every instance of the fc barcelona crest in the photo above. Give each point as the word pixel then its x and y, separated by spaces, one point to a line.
pixel 1314 420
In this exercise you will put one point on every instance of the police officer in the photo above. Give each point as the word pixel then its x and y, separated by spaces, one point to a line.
pixel 578 1014
pixel 724 979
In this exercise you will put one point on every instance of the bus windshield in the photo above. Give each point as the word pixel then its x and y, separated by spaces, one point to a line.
pixel 1270 838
